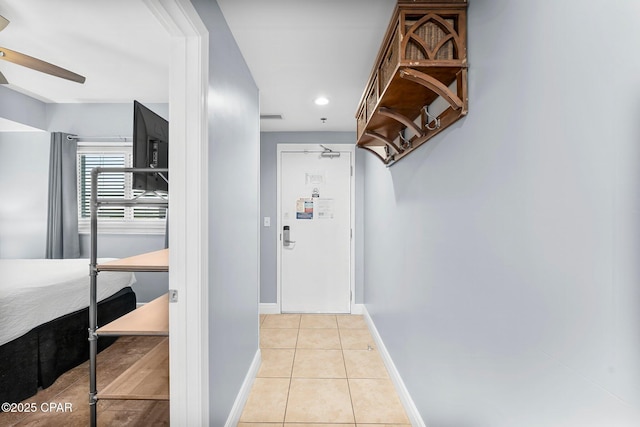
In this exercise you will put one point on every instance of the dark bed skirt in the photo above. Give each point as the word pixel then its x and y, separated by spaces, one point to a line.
pixel 40 356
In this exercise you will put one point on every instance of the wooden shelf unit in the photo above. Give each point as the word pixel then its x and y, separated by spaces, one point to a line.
pixel 147 379
pixel 151 319
pixel 423 58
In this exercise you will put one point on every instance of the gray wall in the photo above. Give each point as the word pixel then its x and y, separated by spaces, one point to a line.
pixel 23 109
pixel 97 119
pixel 510 296
pixel 24 164
pixel 234 144
pixel 268 204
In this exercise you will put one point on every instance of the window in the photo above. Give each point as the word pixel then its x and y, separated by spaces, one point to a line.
pixel 114 219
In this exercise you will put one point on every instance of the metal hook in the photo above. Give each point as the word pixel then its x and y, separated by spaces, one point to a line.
pixel 404 142
pixel 429 118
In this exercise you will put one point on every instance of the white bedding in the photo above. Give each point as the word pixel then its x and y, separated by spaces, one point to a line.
pixel 36 291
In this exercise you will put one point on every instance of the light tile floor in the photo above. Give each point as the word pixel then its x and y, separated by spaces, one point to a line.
pixel 318 371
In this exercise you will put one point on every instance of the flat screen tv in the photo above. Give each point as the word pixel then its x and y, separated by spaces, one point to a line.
pixel 150 149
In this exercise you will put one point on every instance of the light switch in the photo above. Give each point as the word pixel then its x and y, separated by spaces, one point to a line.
pixel 267 221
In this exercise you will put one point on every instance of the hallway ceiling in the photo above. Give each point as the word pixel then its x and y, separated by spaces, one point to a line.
pixel 296 50
pixel 300 49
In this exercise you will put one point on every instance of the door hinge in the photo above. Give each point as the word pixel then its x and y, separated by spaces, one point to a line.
pixel 351 233
pixel 351 296
pixel 351 170
pixel 173 295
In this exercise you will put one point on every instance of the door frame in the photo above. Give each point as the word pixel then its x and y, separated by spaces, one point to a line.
pixel 301 148
pixel 188 258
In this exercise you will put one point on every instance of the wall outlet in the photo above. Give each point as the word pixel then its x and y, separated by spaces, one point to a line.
pixel 267 221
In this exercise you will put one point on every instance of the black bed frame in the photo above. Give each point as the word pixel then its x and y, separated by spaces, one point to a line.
pixel 39 357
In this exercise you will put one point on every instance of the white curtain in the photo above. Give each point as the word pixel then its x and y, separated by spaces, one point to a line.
pixel 63 240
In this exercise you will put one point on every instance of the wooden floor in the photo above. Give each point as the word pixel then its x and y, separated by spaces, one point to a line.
pixel 65 403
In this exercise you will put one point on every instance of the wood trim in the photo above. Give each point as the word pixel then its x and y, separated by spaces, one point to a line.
pixel 461 82
pixel 386 141
pixel 433 84
pixel 369 149
pixel 401 118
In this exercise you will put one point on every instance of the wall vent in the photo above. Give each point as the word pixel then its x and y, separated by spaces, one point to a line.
pixel 270 116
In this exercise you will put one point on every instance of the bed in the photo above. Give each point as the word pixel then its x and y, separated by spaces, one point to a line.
pixel 44 319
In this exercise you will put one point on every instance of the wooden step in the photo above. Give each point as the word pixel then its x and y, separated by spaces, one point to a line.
pixel 157 261
pixel 149 319
pixel 147 379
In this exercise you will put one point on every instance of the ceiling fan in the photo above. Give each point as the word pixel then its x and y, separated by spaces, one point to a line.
pixel 33 63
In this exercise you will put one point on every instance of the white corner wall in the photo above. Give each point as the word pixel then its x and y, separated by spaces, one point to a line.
pixel 501 259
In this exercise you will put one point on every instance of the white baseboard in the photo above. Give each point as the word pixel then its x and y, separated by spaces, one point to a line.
pixel 274 308
pixel 403 393
pixel 140 304
pixel 241 399
pixel 269 308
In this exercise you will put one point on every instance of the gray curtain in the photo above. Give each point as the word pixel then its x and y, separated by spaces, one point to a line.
pixel 63 240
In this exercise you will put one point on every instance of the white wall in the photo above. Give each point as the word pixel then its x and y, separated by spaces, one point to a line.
pixel 501 258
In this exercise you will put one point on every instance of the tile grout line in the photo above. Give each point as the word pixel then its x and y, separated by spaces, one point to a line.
pixel 346 374
pixel 295 351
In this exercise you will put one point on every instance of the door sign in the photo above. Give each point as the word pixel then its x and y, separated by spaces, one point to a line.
pixel 304 208
pixel 324 208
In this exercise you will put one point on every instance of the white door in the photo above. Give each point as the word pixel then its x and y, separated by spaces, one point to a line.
pixel 315 191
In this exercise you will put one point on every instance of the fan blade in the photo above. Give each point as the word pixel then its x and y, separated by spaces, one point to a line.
pixel 38 65
pixel 3 22
pixel 3 79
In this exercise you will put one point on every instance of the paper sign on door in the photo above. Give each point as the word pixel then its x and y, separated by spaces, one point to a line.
pixel 304 208
pixel 324 208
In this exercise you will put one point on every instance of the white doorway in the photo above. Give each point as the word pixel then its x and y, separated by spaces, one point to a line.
pixel 315 192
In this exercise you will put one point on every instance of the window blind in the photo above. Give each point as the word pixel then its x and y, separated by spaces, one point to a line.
pixel 112 185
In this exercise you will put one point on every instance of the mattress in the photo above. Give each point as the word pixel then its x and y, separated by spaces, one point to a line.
pixel 36 291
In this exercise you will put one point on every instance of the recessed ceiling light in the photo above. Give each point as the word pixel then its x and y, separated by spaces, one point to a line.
pixel 321 100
